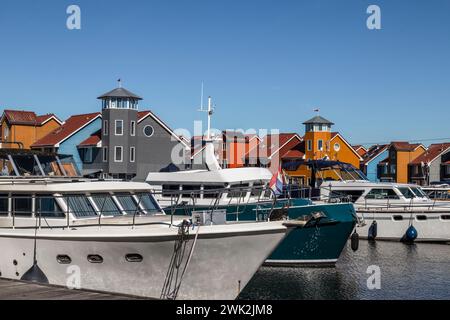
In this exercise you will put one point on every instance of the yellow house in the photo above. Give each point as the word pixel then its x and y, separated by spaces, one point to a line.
pixel 320 143
pixel 20 129
pixel 401 154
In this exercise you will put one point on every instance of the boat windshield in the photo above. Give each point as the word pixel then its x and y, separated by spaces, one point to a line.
pixel 406 192
pixel 148 202
pixel 418 192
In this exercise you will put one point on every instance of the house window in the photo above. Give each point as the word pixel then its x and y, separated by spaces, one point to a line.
pixel 309 145
pixel 320 145
pixel 105 127
pixel 148 131
pixel 6 132
pixel 118 154
pixel 105 154
pixel 132 154
pixel 337 147
pixel 133 128
pixel 119 127
pixel 88 155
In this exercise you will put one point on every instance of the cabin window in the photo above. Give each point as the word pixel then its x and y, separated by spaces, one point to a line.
pixel 419 193
pixel 46 206
pixel 148 202
pixel 421 217
pixel 22 205
pixel 406 192
pixel 128 204
pixel 106 204
pixel 212 191
pixel 238 191
pixel 3 204
pixel 169 190
pixel 191 191
pixel 80 206
pixel 398 218
pixel 352 195
pixel 378 194
pixel 257 189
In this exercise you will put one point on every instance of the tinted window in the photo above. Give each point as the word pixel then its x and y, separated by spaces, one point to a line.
pixel 382 194
pixel 106 204
pixel 407 193
pixel 22 205
pixel 189 191
pixel 3 204
pixel 46 206
pixel 128 204
pixel 212 192
pixel 80 206
pixel 148 202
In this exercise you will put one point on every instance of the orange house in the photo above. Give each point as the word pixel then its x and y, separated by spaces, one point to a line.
pixel 319 143
pixel 20 129
pixel 395 167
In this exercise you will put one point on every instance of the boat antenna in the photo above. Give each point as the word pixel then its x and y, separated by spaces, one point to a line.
pixel 209 110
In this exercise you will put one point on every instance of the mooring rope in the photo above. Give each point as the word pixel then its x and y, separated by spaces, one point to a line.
pixel 174 277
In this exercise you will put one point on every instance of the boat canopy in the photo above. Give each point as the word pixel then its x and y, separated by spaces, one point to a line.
pixel 205 177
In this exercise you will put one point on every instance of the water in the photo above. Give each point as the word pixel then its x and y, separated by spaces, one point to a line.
pixel 419 271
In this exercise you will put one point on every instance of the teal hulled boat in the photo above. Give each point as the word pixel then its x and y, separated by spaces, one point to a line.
pixel 319 242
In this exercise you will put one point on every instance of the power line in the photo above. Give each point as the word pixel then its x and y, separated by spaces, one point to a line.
pixel 415 140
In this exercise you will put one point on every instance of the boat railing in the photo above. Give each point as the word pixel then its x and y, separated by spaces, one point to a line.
pixel 263 198
pixel 412 204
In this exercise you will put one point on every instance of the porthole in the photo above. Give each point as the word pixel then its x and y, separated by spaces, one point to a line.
pixel 421 217
pixel 15 262
pixel 398 218
pixel 95 258
pixel 63 259
pixel 149 131
pixel 133 257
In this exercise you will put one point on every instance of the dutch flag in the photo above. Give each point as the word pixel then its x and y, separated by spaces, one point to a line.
pixel 277 182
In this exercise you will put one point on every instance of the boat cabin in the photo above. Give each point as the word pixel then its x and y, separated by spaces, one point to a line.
pixel 48 202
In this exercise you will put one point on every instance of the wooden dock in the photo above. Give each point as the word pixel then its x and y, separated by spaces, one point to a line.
pixel 18 290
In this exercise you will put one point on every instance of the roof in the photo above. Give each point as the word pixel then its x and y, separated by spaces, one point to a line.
pixel 69 128
pixel 373 152
pixel 405 146
pixel 272 143
pixel 120 93
pixel 434 151
pixel 293 154
pixel 235 175
pixel 21 117
pixel 318 120
pixel 94 140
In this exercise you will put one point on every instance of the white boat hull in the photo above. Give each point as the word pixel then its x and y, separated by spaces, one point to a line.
pixel 434 229
pixel 222 262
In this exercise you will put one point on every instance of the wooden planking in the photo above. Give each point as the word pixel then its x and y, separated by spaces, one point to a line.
pixel 17 290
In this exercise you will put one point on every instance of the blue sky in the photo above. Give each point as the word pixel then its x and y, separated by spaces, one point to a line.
pixel 267 64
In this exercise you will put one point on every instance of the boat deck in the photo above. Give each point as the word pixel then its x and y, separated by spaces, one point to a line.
pixel 18 290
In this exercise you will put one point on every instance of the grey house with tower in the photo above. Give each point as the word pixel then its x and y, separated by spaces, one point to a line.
pixel 131 143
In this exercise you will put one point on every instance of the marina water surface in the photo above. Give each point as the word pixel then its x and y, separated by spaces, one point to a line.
pixel 418 271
